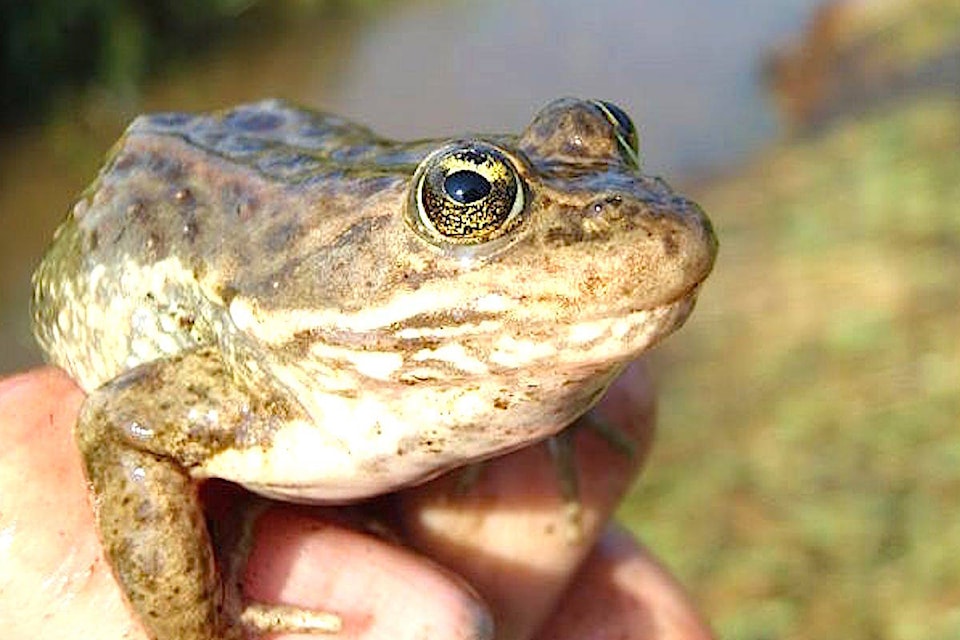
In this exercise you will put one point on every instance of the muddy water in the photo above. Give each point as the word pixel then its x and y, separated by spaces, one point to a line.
pixel 685 69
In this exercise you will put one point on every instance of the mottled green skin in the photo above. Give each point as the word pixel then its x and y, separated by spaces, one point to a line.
pixel 249 295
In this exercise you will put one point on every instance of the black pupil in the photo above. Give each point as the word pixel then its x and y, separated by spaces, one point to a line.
pixel 466 186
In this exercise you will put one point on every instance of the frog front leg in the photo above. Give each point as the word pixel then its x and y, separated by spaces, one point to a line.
pixel 140 435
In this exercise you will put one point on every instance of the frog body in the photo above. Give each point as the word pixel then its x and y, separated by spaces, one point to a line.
pixel 283 299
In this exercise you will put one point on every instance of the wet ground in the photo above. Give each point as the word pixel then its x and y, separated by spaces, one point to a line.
pixel 687 71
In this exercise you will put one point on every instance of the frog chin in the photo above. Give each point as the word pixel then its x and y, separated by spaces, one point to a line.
pixel 392 431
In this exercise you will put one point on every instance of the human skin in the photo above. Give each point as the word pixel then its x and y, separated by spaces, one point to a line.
pixel 443 563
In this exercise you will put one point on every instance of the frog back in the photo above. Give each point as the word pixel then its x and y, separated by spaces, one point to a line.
pixel 188 210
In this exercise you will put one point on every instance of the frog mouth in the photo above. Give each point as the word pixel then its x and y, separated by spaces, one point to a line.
pixel 489 339
pixel 600 342
pixel 624 336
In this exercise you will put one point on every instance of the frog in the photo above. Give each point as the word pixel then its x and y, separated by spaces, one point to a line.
pixel 283 299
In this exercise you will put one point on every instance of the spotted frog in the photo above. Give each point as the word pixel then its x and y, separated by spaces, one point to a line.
pixel 283 299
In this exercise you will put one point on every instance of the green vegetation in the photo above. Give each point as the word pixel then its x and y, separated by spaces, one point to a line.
pixel 49 48
pixel 903 33
pixel 51 44
pixel 807 479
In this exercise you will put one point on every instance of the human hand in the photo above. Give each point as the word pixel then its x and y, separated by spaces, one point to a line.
pixel 506 536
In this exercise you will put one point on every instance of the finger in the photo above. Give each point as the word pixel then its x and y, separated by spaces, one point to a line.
pixel 54 580
pixel 378 589
pixel 509 535
pixel 622 592
pixel 56 583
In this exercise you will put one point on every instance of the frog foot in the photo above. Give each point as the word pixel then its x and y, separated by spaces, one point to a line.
pixel 259 618
pixel 277 618
pixel 562 452
pixel 561 448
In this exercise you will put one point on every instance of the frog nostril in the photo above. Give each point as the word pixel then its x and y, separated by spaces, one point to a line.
pixel 466 186
pixel 607 206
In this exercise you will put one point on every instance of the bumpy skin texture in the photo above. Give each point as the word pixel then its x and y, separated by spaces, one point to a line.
pixel 255 295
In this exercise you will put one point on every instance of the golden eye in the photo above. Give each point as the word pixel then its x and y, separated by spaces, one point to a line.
pixel 624 129
pixel 466 194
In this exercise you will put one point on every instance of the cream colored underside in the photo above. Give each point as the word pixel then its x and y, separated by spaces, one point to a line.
pixel 390 436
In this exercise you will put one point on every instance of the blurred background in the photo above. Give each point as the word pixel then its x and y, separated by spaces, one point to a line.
pixel 807 478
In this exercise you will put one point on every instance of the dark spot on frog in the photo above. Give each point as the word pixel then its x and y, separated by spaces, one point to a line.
pixel 110 231
pixel 670 246
pixel 240 146
pixel 406 445
pixel 206 138
pixel 155 246
pixel 356 233
pixel 593 285
pixel 124 162
pixel 245 208
pixel 236 199
pixel 414 280
pixel 166 168
pixel 315 136
pixel 440 320
pixel 138 211
pixel 501 403
pixel 418 344
pixel 169 120
pixel 199 390
pixel 562 236
pixel 282 236
pixel 348 154
pixel 93 240
pixel 227 293
pixel 431 444
pixel 254 120
pixel 287 165
pixel 369 187
pixel 350 394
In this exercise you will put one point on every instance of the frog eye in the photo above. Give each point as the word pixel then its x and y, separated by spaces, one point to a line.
pixel 624 129
pixel 466 194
